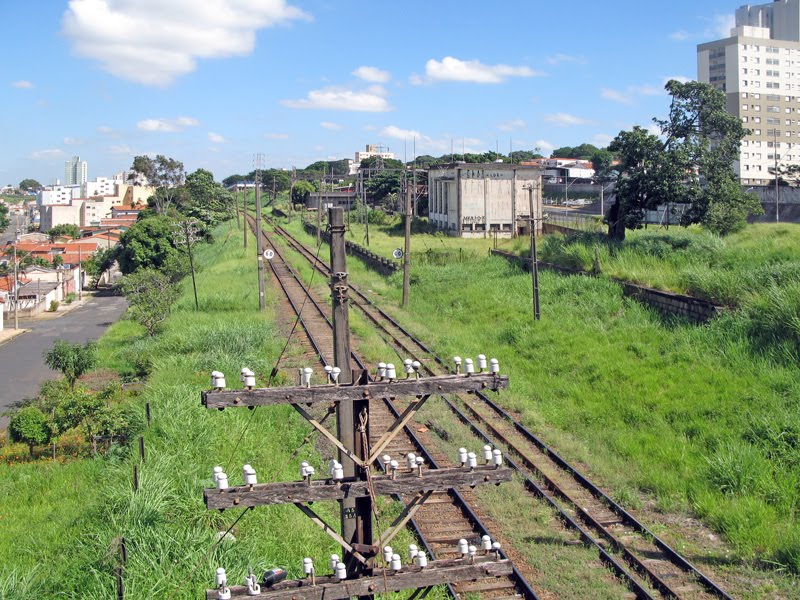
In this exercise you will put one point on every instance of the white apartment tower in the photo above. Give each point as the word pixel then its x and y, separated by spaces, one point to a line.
pixel 76 171
pixel 758 68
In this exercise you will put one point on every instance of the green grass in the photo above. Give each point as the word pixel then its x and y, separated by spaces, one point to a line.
pixel 698 419
pixel 59 522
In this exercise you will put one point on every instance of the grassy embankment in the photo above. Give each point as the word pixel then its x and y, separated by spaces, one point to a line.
pixel 59 522
pixel 687 418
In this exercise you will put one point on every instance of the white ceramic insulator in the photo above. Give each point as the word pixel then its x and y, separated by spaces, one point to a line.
pixel 396 563
pixel 381 370
pixel 308 566
pixel 387 461
pixel 250 380
pixel 473 551
pixel 310 471
pixel 481 361
pixel 496 546
pixel 462 456
pixel 391 372
pixel 328 369
pixel 214 375
pixel 222 481
pixel 457 360
pixel 338 472
pixel 494 365
pixel 409 369
pixel 469 366
pixel 224 594
pixel 422 560
pixel 331 466
pixel 245 469
pixel 412 552
pixel 420 461
pixel 472 460
pixel 463 547
pixel 411 460
pixel 487 453
pixel 307 372
pixel 334 561
pixel 395 465
pixel 387 553
pixel 250 477
pixel 253 589
pixel 416 364
pixel 222 578
pixel 341 571
pixel 408 362
pixel 486 543
pixel 221 382
pixel 215 473
pixel 497 457
pixel 335 374
pixel 303 469
pixel 242 373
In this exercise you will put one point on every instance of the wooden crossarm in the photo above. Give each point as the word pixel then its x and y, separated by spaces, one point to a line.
pixel 406 484
pixel 437 572
pixel 443 384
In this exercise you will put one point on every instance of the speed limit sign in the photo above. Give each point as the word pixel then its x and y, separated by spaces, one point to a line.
pixel 269 254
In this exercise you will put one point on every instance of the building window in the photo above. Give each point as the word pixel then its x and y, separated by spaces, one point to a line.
pixel 744 107
pixel 756 119
pixel 744 94
pixel 774 85
pixel 773 108
pixel 756 132
pixel 756 96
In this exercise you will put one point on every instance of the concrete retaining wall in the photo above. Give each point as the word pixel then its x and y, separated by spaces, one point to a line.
pixel 693 309
pixel 382 265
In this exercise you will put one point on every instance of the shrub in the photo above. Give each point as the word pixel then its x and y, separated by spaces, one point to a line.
pixel 70 298
pixel 30 426
pixel 150 294
pixel 72 359
pixel 54 304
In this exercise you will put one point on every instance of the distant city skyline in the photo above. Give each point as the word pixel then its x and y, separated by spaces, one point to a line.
pixel 313 80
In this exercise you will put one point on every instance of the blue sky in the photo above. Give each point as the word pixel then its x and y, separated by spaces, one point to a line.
pixel 213 82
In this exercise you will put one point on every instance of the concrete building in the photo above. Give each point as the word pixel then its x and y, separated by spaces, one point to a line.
pixel 372 150
pixel 58 194
pixel 102 186
pixel 477 200
pixel 758 68
pixel 76 171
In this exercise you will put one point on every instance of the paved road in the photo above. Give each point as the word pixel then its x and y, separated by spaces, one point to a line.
pixel 14 222
pixel 22 368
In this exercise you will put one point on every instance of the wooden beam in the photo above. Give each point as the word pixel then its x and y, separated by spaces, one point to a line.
pixel 403 518
pixel 396 427
pixel 307 511
pixel 328 435
pixel 438 572
pixel 406 484
pixel 443 384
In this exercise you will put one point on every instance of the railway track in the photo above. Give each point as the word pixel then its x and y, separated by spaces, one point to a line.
pixel 647 564
pixel 445 518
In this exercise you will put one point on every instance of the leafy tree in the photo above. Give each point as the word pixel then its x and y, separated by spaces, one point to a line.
pixel 100 262
pixel 388 163
pixel 78 408
pixel 64 230
pixel 58 260
pixel 581 152
pixel 233 180
pixel 148 243
pixel 4 222
pixel 206 200
pixel 301 191
pixel 691 164
pixel 30 426
pixel 383 183
pixel 72 359
pixel 29 185
pixel 521 155
pixel 602 164
pixel 150 296
pixel 166 174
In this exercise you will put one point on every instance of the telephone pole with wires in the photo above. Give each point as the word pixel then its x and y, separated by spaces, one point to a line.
pixel 362 472
pixel 258 163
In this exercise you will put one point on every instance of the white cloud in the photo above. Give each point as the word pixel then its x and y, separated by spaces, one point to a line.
pixel 68 141
pixel 544 147
pixel 453 69
pixel 22 84
pixel 680 78
pixel 402 134
pixel 629 94
pixel 512 125
pixel 601 140
pixel 331 126
pixel 337 98
pixel 105 129
pixel 557 59
pixel 720 26
pixel 215 137
pixel 372 74
pixel 153 43
pixel 120 149
pixel 276 136
pixel 565 119
pixel 616 96
pixel 167 125
pixel 679 36
pixel 48 154
pixel 654 129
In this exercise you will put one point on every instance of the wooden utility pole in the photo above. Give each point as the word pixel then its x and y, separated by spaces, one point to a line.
pixel 534 261
pixel 407 249
pixel 236 204
pixel 259 241
pixel 244 210
pixel 319 214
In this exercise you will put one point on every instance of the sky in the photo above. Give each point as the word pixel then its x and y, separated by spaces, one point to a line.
pixel 214 82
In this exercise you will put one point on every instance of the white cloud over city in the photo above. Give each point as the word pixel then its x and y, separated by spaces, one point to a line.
pixel 371 99
pixel 565 119
pixel 372 74
pixel 472 71
pixel 167 125
pixel 153 43
pixel 22 84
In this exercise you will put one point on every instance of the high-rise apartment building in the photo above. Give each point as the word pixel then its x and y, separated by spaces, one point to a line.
pixel 758 68
pixel 76 171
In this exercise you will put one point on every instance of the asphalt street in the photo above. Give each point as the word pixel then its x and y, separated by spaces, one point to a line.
pixel 22 368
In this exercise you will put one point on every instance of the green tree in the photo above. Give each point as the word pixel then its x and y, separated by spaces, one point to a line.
pixel 147 244
pixel 301 191
pixel 29 185
pixel 166 174
pixel 206 200
pixel 64 230
pixel 100 262
pixel 383 183
pixel 4 221
pixel 691 164
pixel 72 359
pixel 57 261
pixel 150 296
pixel 30 426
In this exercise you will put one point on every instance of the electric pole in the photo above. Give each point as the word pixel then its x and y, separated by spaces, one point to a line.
pixel 236 204
pixel 534 262
pixel 259 164
pixel 16 281
pixel 407 249
pixel 244 210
